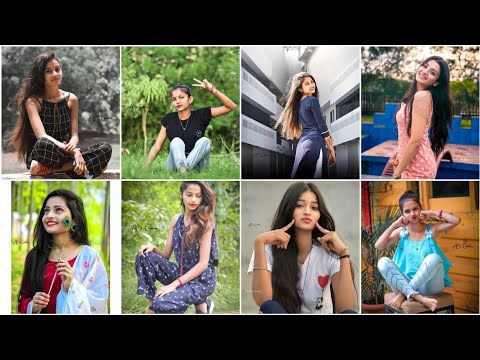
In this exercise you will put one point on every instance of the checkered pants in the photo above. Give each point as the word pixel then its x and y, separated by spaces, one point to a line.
pixel 50 155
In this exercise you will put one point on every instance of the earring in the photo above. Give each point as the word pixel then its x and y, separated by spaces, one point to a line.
pixel 73 228
pixel 436 84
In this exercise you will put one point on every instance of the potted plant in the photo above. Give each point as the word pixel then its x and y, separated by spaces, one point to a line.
pixel 374 285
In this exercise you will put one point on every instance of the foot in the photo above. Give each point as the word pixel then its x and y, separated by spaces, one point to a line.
pixel 38 169
pixel 201 308
pixel 182 169
pixel 427 302
pixel 398 300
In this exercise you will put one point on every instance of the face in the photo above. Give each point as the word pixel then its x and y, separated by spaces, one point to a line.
pixel 427 74
pixel 53 73
pixel 181 100
pixel 411 211
pixel 306 212
pixel 56 210
pixel 192 197
pixel 308 86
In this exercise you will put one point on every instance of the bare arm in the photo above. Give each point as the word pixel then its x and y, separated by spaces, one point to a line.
pixel 390 236
pixel 261 277
pixel 36 122
pixel 162 136
pixel 450 221
pixel 74 139
pixel 167 252
pixel 228 105
pixel 343 287
pixel 422 102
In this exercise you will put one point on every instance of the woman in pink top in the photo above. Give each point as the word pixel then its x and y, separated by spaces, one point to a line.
pixel 423 118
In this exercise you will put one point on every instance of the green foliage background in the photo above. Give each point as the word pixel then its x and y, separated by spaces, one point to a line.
pixel 93 195
pixel 149 73
pixel 147 209
pixel 91 73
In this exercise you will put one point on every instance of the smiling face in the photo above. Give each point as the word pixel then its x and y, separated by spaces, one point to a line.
pixel 306 212
pixel 53 73
pixel 308 86
pixel 427 74
pixel 192 197
pixel 55 211
pixel 411 211
pixel 181 100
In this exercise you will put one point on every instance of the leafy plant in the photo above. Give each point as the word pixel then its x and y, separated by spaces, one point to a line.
pixel 373 283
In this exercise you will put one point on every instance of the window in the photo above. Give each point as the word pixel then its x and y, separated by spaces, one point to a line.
pixel 350 103
pixel 443 189
pixel 332 116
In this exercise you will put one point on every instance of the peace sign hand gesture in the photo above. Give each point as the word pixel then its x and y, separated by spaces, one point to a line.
pixel 278 237
pixel 330 240
pixel 203 84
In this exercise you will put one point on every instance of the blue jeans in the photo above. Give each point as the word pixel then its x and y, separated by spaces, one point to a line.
pixel 198 158
pixel 429 279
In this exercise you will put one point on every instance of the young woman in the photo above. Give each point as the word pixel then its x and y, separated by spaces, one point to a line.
pixel 46 135
pixel 62 273
pixel 419 267
pixel 302 266
pixel 189 148
pixel 192 238
pixel 302 118
pixel 423 118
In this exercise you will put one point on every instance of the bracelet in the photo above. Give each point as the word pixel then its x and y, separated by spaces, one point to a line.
pixel 211 90
pixel 344 249
pixel 344 256
pixel 440 214
pixel 180 281
pixel 259 268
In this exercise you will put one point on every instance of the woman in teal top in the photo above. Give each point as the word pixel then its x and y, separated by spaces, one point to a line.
pixel 419 267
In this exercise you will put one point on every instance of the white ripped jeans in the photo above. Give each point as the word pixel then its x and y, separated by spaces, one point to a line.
pixel 429 279
pixel 198 158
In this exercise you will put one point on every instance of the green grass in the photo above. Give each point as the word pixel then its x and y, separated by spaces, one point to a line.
pixel 222 166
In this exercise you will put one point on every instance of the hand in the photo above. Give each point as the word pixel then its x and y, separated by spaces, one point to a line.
pixel 66 272
pixel 203 84
pixel 401 221
pixel 332 159
pixel 145 249
pixel 69 147
pixel 393 163
pixel 278 237
pixel 425 215
pixel 164 290
pixel 329 141
pixel 80 165
pixel 40 301
pixel 330 240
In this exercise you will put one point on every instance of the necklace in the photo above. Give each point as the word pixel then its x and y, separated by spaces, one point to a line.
pixel 184 128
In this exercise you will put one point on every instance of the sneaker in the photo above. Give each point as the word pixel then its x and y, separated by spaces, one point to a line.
pixel 210 306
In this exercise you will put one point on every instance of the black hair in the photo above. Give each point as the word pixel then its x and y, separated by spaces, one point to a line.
pixel 406 196
pixel 285 270
pixel 183 87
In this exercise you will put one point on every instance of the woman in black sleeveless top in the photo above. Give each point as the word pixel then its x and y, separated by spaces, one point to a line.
pixel 46 134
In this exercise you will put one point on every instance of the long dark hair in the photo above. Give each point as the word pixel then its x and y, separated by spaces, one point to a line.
pixel 291 126
pixel 285 270
pixel 36 259
pixel 32 85
pixel 202 214
pixel 442 105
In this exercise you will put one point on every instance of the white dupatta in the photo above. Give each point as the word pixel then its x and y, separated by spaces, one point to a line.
pixel 88 293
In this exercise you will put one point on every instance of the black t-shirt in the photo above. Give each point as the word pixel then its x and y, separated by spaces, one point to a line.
pixel 188 130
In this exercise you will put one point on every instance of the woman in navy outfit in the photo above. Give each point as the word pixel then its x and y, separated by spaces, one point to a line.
pixel 193 240
pixel 302 118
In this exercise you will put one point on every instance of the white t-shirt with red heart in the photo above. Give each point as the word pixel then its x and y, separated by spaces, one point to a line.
pixel 315 279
